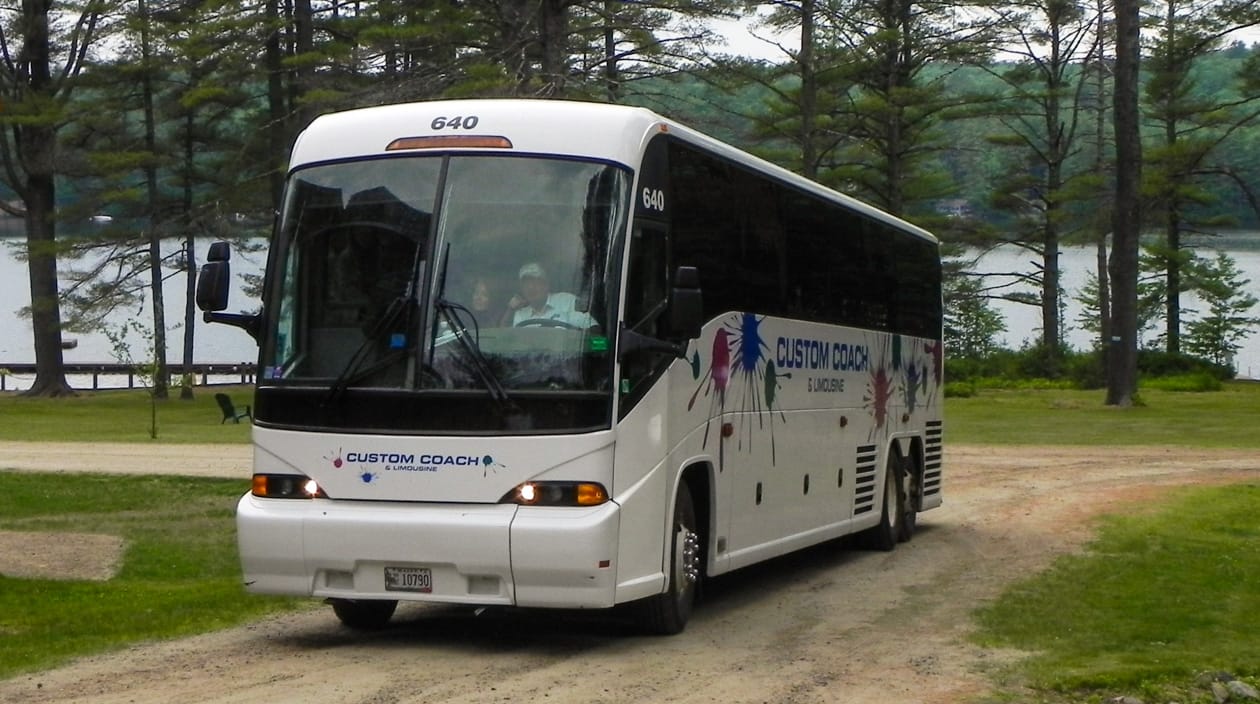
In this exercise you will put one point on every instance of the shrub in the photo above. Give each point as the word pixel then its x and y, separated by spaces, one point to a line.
pixel 959 389
pixel 1201 381
pixel 1158 363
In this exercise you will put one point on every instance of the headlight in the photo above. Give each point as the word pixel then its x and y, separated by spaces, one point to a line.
pixel 286 486
pixel 557 494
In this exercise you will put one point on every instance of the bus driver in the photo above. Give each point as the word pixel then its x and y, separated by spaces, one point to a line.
pixel 536 301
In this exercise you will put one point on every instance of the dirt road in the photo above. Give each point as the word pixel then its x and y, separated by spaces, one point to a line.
pixel 825 625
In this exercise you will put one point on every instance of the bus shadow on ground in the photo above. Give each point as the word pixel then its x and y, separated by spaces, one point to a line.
pixel 562 631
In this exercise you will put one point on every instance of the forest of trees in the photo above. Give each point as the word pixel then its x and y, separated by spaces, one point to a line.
pixel 1026 124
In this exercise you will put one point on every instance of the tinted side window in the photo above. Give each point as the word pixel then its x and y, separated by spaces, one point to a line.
pixel 726 222
pixel 765 247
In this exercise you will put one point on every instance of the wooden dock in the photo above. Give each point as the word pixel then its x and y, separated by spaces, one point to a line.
pixel 245 371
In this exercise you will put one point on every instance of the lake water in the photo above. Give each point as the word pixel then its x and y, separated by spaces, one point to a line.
pixel 224 344
pixel 1024 322
pixel 211 343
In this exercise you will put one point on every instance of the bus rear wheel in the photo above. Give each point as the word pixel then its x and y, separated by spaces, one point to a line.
pixel 667 613
pixel 889 531
pixel 909 489
pixel 363 615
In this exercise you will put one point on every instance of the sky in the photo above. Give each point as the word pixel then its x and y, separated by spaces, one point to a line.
pixel 743 40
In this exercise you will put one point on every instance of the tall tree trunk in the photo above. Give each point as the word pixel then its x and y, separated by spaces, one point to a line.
pixel 1172 296
pixel 1051 336
pixel 161 375
pixel 190 265
pixel 518 42
pixel 809 93
pixel 612 79
pixel 41 247
pixel 36 149
pixel 277 123
pixel 303 77
pixel 1101 71
pixel 554 36
pixel 1056 155
pixel 1126 216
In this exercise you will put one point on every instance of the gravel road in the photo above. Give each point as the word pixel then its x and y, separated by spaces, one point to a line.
pixel 828 624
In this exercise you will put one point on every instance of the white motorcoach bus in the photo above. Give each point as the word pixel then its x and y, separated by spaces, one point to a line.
pixel 557 354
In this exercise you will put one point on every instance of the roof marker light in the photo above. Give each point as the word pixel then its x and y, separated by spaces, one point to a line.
pixel 449 142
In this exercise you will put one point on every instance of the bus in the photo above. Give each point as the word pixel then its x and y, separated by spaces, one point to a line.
pixel 541 353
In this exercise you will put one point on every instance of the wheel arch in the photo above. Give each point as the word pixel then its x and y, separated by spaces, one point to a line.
pixel 909 451
pixel 698 476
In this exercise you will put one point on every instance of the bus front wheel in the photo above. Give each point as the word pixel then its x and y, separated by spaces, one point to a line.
pixel 667 613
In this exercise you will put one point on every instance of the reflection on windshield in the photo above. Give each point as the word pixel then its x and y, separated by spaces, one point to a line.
pixel 362 299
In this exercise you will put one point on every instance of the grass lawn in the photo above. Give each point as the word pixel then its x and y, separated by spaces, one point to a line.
pixel 1226 418
pixel 124 415
pixel 1158 599
pixel 179 573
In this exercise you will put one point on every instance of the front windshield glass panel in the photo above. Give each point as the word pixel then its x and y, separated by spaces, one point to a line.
pixel 484 275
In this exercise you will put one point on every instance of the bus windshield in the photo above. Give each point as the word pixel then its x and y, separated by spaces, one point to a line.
pixel 476 273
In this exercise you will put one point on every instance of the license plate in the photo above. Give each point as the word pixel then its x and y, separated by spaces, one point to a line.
pixel 409 579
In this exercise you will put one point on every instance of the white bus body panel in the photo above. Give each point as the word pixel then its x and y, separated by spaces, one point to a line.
pixel 591 130
pixel 814 411
pixel 443 517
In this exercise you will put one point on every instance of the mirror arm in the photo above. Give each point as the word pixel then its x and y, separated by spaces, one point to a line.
pixel 251 324
pixel 631 341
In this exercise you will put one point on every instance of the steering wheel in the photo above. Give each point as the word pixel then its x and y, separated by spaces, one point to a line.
pixel 547 323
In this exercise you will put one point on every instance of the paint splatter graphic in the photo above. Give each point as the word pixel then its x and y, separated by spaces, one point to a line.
pixel 715 379
pixel 367 477
pixel 334 459
pixel 740 354
pixel 488 465
pixel 878 392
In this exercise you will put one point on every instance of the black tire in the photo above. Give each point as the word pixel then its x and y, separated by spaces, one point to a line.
pixel 363 615
pixel 887 533
pixel 667 614
pixel 909 488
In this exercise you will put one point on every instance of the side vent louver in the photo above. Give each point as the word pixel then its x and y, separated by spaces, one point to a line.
pixel 864 480
pixel 932 459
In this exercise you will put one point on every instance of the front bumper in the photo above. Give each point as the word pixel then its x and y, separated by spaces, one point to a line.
pixel 484 554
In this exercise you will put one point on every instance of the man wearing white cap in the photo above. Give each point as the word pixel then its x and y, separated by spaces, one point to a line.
pixel 537 302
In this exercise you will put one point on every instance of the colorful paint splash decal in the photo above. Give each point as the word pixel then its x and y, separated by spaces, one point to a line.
pixel 742 355
pixel 334 459
pixel 902 376
pixel 879 391
pixel 488 465
pixel 715 379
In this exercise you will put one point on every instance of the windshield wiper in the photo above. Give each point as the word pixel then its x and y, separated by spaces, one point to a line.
pixel 513 415
pixel 403 304
pixel 468 342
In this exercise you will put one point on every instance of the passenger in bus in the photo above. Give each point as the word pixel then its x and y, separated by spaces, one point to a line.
pixel 536 302
pixel 481 301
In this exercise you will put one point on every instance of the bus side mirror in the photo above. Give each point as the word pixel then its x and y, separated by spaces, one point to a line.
pixel 686 304
pixel 214 280
pixel 213 284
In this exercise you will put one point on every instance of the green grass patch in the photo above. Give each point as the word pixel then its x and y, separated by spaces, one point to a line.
pixel 1158 598
pixel 1226 418
pixel 123 415
pixel 179 575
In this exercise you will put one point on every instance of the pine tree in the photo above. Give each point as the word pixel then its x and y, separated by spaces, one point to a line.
pixel 1194 126
pixel 1217 334
pixel 34 95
